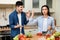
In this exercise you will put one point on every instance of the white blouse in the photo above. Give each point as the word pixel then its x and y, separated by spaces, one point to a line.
pixel 44 24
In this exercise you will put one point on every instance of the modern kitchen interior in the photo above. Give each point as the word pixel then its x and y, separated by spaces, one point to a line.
pixel 8 6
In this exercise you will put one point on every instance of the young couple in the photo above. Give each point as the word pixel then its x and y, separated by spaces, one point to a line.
pixel 18 18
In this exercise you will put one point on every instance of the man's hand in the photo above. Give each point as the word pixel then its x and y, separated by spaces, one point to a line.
pixel 17 26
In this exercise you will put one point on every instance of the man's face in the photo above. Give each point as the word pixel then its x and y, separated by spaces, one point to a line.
pixel 20 8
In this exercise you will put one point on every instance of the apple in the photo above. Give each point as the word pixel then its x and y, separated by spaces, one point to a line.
pixel 48 38
pixel 52 38
pixel 39 34
pixel 15 38
pixel 28 39
pixel 48 35
pixel 56 38
pixel 28 35
pixel 57 34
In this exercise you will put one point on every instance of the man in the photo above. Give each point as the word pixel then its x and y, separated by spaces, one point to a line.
pixel 17 19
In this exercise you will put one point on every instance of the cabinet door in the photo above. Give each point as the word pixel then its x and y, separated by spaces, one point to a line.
pixel 2 12
pixel 49 3
pixel 23 2
pixel 27 5
pixel 8 12
pixel 2 17
pixel 35 3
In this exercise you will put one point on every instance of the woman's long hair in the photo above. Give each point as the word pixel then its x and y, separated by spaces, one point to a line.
pixel 47 8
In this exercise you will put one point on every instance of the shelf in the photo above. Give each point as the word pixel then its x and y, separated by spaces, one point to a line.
pixel 8 29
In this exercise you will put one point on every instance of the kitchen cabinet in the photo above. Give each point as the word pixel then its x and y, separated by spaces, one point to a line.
pixel 32 4
pixel 37 4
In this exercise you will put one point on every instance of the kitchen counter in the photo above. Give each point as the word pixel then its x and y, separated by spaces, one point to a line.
pixel 35 37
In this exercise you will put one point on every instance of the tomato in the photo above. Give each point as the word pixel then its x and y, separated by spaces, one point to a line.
pixel 56 38
pixel 22 37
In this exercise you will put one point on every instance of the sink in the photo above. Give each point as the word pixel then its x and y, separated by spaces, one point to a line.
pixel 57 29
pixel 33 31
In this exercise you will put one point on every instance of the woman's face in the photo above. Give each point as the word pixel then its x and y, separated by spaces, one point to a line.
pixel 44 10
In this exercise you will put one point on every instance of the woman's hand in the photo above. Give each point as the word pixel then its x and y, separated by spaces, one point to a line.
pixel 49 28
pixel 53 31
pixel 30 14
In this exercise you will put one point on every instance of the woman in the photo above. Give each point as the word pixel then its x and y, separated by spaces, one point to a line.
pixel 45 22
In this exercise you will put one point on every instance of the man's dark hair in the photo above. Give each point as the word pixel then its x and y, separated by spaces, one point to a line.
pixel 47 8
pixel 19 3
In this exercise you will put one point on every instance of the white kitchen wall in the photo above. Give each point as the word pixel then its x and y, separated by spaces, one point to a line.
pixel 57 11
pixel 8 1
pixel 28 6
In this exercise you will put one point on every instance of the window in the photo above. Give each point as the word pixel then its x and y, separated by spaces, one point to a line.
pixel 35 4
pixel 49 3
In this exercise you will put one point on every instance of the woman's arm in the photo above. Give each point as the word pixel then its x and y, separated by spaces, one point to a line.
pixel 30 17
pixel 53 26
